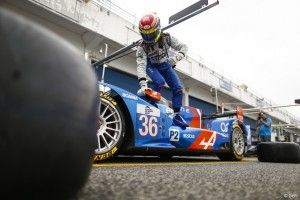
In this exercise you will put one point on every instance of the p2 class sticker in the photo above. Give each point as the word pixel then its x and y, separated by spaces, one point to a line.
pixel 174 135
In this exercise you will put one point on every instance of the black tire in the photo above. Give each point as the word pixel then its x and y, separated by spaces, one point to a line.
pixel 279 152
pixel 48 112
pixel 237 146
pixel 111 130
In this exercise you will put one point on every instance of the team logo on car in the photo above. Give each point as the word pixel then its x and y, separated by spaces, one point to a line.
pixel 147 110
pixel 205 140
pixel 208 143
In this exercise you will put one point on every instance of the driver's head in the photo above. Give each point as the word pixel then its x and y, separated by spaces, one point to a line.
pixel 149 27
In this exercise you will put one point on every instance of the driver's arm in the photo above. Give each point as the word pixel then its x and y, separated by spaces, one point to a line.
pixel 141 60
pixel 180 47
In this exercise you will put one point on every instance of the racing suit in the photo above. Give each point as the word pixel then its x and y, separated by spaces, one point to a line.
pixel 157 61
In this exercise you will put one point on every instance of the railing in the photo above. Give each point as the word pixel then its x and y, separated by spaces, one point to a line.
pixel 107 4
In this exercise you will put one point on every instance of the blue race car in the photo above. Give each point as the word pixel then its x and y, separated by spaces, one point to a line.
pixel 131 125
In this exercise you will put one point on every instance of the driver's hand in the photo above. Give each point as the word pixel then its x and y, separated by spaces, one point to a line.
pixel 143 87
pixel 172 61
pixel 178 57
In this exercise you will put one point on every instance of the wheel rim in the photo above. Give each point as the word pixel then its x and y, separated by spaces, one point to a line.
pixel 238 141
pixel 110 127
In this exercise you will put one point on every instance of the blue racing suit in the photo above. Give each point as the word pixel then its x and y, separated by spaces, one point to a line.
pixel 158 63
pixel 265 131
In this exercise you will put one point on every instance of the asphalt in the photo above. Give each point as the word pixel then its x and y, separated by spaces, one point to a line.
pixel 181 178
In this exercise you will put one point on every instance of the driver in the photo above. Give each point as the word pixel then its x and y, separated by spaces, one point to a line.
pixel 154 59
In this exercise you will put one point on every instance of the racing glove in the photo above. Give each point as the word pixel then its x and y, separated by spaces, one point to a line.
pixel 174 59
pixel 143 87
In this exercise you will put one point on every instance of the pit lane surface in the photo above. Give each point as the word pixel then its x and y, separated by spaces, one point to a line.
pixel 191 178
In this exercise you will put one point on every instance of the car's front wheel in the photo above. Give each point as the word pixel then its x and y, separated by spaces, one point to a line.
pixel 237 146
pixel 111 130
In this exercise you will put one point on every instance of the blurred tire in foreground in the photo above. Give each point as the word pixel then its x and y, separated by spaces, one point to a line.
pixel 48 105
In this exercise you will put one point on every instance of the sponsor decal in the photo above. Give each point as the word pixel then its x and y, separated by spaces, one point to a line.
pixel 129 96
pixel 105 155
pixel 169 111
pixel 147 110
pixel 174 135
pixel 187 135
pixel 224 127
pixel 186 110
pixel 108 97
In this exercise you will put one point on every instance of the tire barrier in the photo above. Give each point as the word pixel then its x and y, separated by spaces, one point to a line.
pixel 281 152
pixel 48 112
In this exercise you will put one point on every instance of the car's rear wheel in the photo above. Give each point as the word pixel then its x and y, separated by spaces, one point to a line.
pixel 111 130
pixel 237 146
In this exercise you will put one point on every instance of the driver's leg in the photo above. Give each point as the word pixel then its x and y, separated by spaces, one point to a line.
pixel 173 81
pixel 156 77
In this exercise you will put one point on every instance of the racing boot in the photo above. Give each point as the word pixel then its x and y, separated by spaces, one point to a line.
pixel 179 121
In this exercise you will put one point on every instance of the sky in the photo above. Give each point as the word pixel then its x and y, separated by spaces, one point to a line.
pixel 252 42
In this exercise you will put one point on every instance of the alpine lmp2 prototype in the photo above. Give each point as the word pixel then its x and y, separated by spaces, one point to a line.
pixel 132 125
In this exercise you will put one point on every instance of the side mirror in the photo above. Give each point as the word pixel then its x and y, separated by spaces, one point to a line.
pixel 297 101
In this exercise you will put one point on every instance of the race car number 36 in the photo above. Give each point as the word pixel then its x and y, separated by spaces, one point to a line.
pixel 149 125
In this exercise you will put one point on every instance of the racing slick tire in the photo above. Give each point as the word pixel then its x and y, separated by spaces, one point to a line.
pixel 111 129
pixel 48 112
pixel 237 146
pixel 279 152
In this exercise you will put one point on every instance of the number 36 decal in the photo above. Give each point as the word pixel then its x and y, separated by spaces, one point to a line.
pixel 149 124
